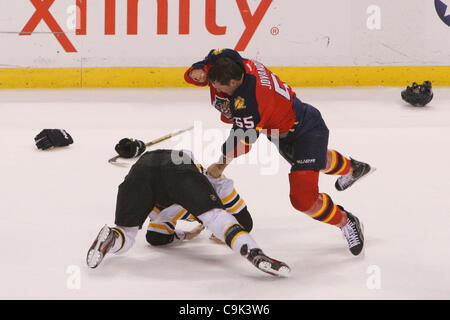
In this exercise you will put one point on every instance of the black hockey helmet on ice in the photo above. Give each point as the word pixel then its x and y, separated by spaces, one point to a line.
pixel 418 95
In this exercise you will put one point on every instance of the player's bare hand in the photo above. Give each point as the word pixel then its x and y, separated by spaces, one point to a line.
pixel 215 239
pixel 215 170
pixel 198 75
pixel 194 232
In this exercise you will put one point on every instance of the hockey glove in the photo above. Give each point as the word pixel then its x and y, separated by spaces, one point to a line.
pixel 48 138
pixel 130 148
pixel 418 95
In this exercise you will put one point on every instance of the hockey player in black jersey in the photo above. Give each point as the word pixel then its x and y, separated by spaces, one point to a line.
pixel 164 178
pixel 162 228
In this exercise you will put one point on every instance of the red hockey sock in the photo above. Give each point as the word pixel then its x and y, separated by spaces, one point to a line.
pixel 337 164
pixel 305 197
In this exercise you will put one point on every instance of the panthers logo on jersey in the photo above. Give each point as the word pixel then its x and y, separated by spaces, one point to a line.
pixel 223 105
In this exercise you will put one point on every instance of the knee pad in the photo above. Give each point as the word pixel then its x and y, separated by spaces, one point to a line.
pixel 304 189
pixel 158 239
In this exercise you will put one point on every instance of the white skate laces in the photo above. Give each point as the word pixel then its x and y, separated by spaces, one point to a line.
pixel 350 233
pixel 360 170
pixel 353 233
pixel 345 181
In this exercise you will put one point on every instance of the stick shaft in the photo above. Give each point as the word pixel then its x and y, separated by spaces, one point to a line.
pixel 153 142
pixel 168 136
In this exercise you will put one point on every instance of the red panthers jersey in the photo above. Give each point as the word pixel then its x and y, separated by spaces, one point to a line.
pixel 262 103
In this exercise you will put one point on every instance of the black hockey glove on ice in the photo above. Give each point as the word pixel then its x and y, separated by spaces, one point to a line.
pixel 130 148
pixel 48 138
pixel 418 95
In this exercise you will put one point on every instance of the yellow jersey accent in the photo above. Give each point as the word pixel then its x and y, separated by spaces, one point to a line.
pixel 160 226
pixel 237 206
pixel 178 215
pixel 229 197
pixel 239 103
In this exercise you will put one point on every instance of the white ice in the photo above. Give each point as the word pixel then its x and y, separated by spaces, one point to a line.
pixel 53 203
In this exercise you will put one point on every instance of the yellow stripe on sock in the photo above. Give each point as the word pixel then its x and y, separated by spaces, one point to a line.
pixel 120 233
pixel 333 161
pixel 344 165
pixel 324 206
pixel 332 214
pixel 234 238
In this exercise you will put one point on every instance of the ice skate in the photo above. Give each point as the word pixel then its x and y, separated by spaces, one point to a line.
pixel 360 169
pixel 353 233
pixel 265 263
pixel 102 244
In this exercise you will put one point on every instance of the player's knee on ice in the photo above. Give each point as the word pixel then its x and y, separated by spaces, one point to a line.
pixel 158 239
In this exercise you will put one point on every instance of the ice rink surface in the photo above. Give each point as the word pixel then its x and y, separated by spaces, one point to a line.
pixel 53 203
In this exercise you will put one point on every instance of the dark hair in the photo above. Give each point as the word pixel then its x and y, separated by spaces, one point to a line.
pixel 224 70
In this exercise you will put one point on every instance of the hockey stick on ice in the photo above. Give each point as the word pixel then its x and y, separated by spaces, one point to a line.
pixel 153 142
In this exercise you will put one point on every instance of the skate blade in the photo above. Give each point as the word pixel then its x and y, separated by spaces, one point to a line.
pixel 94 256
pixel 266 267
pixel 372 170
pixel 363 250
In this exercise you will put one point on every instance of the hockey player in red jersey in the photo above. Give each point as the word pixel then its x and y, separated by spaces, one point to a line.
pixel 256 101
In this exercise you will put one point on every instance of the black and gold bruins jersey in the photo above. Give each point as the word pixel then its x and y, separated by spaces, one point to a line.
pixel 164 220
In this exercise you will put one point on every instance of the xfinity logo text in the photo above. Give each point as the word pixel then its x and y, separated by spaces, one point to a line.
pixel 43 13
pixel 443 10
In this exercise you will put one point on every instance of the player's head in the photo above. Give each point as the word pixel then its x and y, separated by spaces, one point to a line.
pixel 226 75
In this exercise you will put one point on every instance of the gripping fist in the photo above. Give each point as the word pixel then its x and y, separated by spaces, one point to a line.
pixel 130 148
pixel 198 75
pixel 48 138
